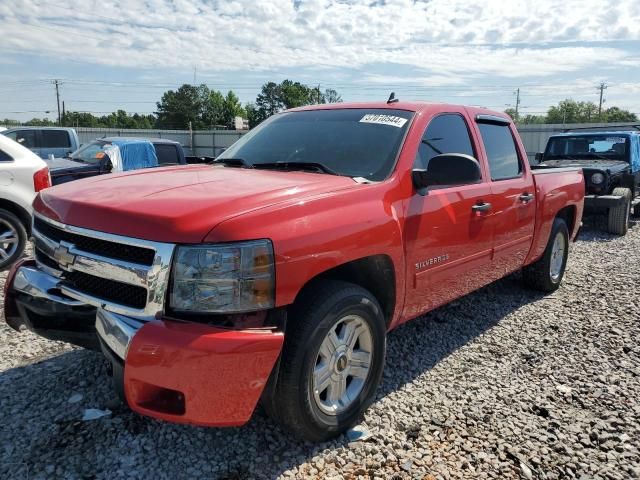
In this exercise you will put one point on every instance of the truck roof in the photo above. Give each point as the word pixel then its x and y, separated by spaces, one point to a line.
pixel 138 139
pixel 27 127
pixel 599 134
pixel 412 106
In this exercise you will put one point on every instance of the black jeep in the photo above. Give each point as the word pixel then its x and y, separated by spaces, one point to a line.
pixel 611 165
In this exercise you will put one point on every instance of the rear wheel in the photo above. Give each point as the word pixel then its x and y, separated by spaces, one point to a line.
pixel 331 363
pixel 13 238
pixel 546 273
pixel 618 221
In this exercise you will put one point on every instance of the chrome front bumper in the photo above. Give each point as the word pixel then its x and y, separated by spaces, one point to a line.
pixel 115 330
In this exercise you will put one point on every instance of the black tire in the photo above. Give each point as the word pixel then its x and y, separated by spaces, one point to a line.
pixel 8 219
pixel 319 310
pixel 618 221
pixel 539 275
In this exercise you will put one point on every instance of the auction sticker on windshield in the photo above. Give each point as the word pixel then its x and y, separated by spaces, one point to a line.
pixel 380 119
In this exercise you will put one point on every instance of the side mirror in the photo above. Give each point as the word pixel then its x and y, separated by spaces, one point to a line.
pixel 539 156
pixel 447 169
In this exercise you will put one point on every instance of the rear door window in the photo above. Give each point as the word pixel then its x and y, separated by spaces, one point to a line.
pixel 55 139
pixel 446 133
pixel 502 154
pixel 167 154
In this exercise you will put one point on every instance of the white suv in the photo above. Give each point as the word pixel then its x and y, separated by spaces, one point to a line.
pixel 22 175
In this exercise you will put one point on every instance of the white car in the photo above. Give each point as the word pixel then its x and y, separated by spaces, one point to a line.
pixel 22 175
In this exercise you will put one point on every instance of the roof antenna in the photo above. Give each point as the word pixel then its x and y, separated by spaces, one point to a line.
pixel 392 98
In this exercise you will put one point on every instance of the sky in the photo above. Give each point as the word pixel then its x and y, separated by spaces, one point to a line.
pixel 116 54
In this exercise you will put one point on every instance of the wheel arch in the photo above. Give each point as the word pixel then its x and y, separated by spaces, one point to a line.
pixel 568 214
pixel 375 273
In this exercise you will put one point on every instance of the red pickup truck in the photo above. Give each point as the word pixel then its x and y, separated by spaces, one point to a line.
pixel 276 273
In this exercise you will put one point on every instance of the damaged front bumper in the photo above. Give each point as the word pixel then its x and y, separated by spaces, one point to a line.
pixel 182 372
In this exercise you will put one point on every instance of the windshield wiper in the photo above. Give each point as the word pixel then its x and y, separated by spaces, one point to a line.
pixel 318 167
pixel 234 162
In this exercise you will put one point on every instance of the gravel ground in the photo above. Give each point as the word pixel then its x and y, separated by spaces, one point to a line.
pixel 504 383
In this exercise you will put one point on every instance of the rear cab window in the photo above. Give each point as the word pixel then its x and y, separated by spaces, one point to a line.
pixel 55 139
pixel 167 154
pixel 502 153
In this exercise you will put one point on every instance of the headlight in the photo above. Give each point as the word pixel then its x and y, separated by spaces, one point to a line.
pixel 597 178
pixel 230 278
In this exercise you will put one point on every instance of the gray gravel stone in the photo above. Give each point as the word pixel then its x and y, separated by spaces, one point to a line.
pixel 504 383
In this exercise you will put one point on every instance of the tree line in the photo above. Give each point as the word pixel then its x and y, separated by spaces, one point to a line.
pixel 201 108
pixel 570 111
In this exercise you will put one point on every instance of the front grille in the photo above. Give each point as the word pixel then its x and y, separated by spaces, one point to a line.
pixel 105 248
pixel 46 260
pixel 109 290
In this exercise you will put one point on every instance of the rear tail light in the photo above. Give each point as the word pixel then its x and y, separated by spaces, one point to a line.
pixel 41 179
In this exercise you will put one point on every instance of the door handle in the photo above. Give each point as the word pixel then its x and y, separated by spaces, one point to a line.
pixel 526 197
pixel 481 207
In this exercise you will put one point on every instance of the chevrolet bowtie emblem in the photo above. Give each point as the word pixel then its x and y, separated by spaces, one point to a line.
pixel 63 256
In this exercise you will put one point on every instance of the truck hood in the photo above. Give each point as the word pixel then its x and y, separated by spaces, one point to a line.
pixel 595 163
pixel 177 204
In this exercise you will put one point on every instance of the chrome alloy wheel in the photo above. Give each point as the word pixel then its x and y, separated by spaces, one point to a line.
pixel 9 240
pixel 557 256
pixel 342 365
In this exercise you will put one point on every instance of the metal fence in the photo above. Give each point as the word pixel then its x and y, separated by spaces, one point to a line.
pixel 535 137
pixel 214 142
pixel 200 143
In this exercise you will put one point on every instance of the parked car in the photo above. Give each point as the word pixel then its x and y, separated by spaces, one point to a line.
pixel 275 273
pixel 611 165
pixel 22 175
pixel 45 141
pixel 94 158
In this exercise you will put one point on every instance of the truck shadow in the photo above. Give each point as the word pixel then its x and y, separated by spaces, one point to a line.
pixel 43 432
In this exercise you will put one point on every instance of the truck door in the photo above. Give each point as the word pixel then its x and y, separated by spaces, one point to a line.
pixel 513 194
pixel 448 231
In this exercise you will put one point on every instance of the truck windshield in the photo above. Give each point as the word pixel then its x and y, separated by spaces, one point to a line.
pixel 588 147
pixel 90 153
pixel 349 142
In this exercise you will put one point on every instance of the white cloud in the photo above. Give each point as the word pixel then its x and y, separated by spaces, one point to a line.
pixel 446 37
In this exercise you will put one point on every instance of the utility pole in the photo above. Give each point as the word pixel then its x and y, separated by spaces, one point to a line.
pixel 603 86
pixel 57 84
pixel 517 103
pixel 195 69
pixel 318 93
pixel 63 110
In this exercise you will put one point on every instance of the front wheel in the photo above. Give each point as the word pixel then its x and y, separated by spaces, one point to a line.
pixel 13 238
pixel 545 274
pixel 332 361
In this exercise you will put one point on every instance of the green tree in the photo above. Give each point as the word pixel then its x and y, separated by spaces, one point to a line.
pixel 232 108
pixel 274 98
pixel 187 104
pixel 213 111
pixel 253 114
pixel 616 114
pixel 37 122
pixel 331 96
